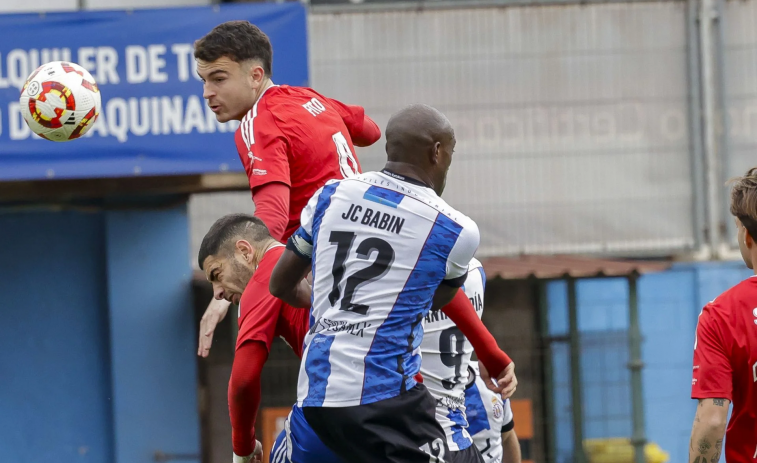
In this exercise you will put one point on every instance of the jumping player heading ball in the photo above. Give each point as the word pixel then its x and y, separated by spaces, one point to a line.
pixel 291 140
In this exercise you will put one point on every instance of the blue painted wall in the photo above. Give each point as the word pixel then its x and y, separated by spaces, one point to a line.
pixel 152 335
pixel 669 304
pixel 97 354
pixel 54 368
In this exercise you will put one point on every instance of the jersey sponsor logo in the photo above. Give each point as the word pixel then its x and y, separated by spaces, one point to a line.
pixel 435 316
pixel 754 312
pixel 259 171
pixel 338 326
pixel 754 372
pixel 497 409
pixel 314 107
pixel 252 157
pixel 452 403
pixel 476 302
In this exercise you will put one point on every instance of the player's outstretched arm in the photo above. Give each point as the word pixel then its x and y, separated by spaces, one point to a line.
pixel 490 356
pixel 510 447
pixel 363 131
pixel 707 433
pixel 288 279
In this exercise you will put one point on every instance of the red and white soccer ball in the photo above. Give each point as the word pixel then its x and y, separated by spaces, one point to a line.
pixel 60 101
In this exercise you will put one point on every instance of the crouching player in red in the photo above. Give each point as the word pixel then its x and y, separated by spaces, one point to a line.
pixel 238 255
pixel 291 140
pixel 725 352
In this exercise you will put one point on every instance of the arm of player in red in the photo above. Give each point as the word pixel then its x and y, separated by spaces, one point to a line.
pixel 272 207
pixel 244 395
pixel 266 163
pixel 712 383
pixel 712 373
pixel 461 311
pixel 363 131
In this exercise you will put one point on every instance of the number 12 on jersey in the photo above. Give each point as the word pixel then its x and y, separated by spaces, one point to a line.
pixel 384 258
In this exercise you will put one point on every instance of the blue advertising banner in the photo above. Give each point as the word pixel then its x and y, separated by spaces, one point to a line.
pixel 154 120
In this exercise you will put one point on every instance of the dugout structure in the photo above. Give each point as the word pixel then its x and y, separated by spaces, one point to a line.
pixel 539 272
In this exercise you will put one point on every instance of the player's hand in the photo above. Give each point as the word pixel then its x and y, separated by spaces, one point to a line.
pixel 506 382
pixel 213 315
pixel 257 454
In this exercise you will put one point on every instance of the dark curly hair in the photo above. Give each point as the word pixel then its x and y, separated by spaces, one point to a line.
pixel 237 40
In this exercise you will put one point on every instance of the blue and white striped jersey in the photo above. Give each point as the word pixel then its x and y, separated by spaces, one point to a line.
pixel 488 417
pixel 380 245
pixel 446 356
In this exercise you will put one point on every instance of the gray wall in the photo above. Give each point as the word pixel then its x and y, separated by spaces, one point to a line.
pixel 571 120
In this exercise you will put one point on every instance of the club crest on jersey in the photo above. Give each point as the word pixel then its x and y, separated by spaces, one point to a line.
pixel 497 409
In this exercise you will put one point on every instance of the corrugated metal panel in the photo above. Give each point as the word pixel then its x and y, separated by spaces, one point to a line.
pixel 740 61
pixel 204 209
pixel 551 267
pixel 571 120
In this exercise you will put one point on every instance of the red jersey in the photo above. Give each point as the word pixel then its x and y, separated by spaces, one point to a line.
pixel 262 317
pixel 295 136
pixel 725 364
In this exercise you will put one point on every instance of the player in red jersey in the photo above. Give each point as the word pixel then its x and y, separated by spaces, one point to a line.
pixel 238 255
pixel 291 140
pixel 725 352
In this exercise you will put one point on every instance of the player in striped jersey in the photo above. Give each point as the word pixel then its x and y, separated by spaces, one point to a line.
pixel 384 249
pixel 446 355
pixel 490 421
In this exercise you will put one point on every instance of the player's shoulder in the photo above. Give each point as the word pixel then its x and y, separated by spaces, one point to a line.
pixel 467 224
pixel 265 267
pixel 475 265
pixel 282 99
pixel 743 294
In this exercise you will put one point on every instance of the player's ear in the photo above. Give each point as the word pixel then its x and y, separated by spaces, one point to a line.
pixel 436 153
pixel 256 74
pixel 748 240
pixel 246 249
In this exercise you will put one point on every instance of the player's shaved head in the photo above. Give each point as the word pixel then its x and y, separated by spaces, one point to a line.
pixel 419 144
pixel 414 130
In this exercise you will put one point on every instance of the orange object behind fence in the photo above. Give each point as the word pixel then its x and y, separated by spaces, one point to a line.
pixel 273 424
pixel 524 427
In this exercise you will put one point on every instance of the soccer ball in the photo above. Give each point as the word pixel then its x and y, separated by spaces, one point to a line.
pixel 60 101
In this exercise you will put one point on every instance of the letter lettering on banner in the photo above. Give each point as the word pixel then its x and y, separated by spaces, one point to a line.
pixel 107 60
pixel 18 130
pixel 157 62
pixel 136 64
pixel 183 52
